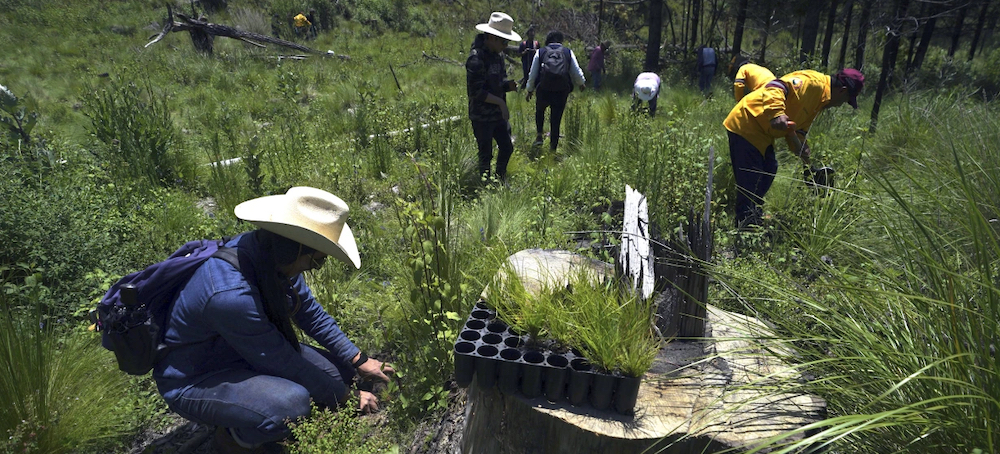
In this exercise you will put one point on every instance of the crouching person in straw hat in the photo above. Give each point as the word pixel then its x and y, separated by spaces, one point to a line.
pixel 233 358
pixel 487 86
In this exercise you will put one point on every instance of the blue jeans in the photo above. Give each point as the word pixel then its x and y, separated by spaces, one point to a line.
pixel 598 77
pixel 754 174
pixel 256 407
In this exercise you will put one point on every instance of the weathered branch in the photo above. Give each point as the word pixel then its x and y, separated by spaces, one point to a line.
pixel 202 27
pixel 436 58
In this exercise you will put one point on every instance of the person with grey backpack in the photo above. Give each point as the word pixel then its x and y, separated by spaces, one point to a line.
pixel 554 72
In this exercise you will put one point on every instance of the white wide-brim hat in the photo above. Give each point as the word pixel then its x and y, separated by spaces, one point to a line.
pixel 500 24
pixel 310 216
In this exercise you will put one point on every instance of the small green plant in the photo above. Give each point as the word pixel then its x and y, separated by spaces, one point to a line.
pixel 341 431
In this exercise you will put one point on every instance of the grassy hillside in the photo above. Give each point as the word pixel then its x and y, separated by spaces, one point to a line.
pixel 885 287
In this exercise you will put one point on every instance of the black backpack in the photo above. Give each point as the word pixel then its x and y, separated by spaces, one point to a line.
pixel 132 315
pixel 554 71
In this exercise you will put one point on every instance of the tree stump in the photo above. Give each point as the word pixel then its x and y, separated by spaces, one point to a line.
pixel 702 396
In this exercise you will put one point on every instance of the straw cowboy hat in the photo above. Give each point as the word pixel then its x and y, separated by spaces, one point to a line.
pixel 501 25
pixel 310 216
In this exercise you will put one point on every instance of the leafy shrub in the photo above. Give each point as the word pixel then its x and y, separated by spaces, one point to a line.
pixel 326 431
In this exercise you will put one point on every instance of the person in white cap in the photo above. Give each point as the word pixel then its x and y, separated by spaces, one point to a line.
pixel 646 88
pixel 233 359
pixel 487 86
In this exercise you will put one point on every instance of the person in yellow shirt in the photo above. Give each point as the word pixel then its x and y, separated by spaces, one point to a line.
pixel 748 77
pixel 784 107
pixel 301 24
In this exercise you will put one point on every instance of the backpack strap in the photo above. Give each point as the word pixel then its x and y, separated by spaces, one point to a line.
pixel 229 255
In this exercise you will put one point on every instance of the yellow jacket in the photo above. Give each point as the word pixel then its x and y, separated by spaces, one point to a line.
pixel 808 93
pixel 301 21
pixel 749 78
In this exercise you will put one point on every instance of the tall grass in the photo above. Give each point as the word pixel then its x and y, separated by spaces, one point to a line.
pixel 61 392
pixel 903 345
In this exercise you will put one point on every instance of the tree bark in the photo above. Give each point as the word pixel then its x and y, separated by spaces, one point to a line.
pixel 925 40
pixel 848 14
pixel 655 29
pixel 764 36
pixel 863 26
pixel 741 20
pixel 889 55
pixel 810 30
pixel 695 19
pixel 831 18
pixel 956 32
pixel 915 34
pixel 979 28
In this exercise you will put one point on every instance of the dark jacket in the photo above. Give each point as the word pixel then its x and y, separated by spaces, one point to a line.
pixel 485 73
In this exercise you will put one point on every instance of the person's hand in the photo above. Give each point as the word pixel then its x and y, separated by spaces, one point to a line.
pixel 782 123
pixel 804 154
pixel 528 96
pixel 582 87
pixel 375 369
pixel 368 403
pixel 511 85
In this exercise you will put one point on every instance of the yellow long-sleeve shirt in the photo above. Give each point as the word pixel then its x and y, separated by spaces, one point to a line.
pixel 808 93
pixel 301 21
pixel 750 77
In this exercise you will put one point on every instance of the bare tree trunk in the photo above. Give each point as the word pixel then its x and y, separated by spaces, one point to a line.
pixel 655 28
pixel 956 33
pixel 741 20
pixel 600 17
pixel 925 40
pixel 767 31
pixel 889 55
pixel 914 34
pixel 863 26
pixel 695 19
pixel 979 28
pixel 831 18
pixel 848 14
pixel 810 30
pixel 673 30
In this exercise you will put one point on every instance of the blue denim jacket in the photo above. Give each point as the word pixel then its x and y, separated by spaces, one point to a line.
pixel 218 323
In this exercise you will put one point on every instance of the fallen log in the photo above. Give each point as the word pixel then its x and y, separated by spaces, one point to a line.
pixel 203 34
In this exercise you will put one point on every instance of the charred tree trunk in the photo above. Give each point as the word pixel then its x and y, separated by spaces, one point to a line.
pixel 831 18
pixel 979 28
pixel 925 40
pixel 956 32
pixel 914 35
pixel 695 19
pixel 889 59
pixel 810 30
pixel 848 14
pixel 741 20
pixel 863 26
pixel 655 27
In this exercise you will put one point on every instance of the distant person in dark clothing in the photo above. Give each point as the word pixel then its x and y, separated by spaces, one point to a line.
pixel 487 86
pixel 313 28
pixel 527 50
pixel 596 64
pixel 554 85
pixel 706 68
